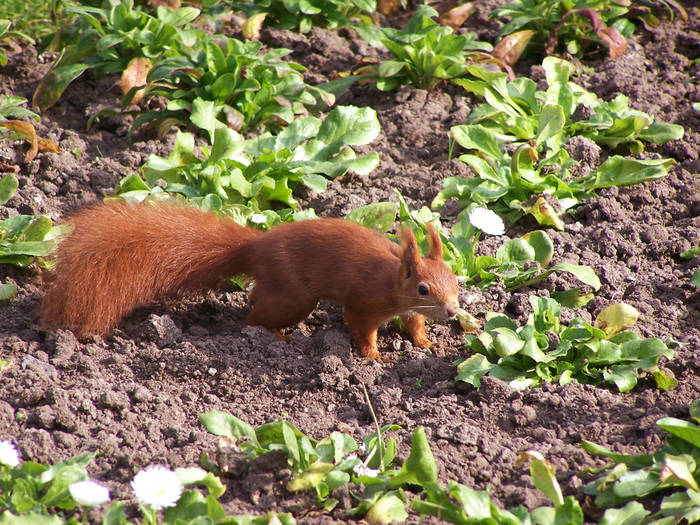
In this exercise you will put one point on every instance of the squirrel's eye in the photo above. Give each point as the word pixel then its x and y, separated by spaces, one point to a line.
pixel 423 289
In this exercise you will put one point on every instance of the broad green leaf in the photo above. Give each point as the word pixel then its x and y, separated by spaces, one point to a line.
pixel 661 132
pixel 616 318
pixel 223 424
pixel 619 171
pixel 199 476
pixel 379 216
pixel 476 137
pixel 583 273
pixel 388 509
pixel 542 244
pixel 349 125
pixel 420 467
pixel 631 514
pixel 624 377
pixel 695 279
pixel 32 518
pixel 573 298
pixel 516 250
pixel 550 126
pixel 8 187
pixel 685 430
pixel 472 369
pixel 476 504
pixel 8 291
pixel 568 513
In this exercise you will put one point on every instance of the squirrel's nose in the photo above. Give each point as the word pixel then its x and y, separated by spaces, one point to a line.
pixel 451 310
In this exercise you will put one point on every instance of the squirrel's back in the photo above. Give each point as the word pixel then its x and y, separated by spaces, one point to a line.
pixel 120 256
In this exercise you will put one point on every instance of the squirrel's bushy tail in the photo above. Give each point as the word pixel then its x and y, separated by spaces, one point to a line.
pixel 120 256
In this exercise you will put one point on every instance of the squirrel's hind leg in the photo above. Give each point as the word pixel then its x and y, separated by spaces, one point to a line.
pixel 275 310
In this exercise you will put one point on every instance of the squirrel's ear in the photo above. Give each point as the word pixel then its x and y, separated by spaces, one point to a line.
pixel 435 243
pixel 411 255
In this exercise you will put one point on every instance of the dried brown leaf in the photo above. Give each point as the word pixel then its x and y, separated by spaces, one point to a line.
pixel 456 16
pixel 134 75
pixel 388 7
pixel 27 132
pixel 614 40
pixel 512 46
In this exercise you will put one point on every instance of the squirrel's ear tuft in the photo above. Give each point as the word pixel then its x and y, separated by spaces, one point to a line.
pixel 411 255
pixel 435 243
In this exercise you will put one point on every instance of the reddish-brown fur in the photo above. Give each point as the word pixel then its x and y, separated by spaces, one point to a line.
pixel 120 256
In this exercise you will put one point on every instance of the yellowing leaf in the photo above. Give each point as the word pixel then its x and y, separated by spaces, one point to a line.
pixel 48 146
pixel 134 75
pixel 512 46
pixel 251 27
pixel 467 321
pixel 545 214
pixel 456 16
pixel 616 317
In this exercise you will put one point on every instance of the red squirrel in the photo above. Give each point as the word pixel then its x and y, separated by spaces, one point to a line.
pixel 120 256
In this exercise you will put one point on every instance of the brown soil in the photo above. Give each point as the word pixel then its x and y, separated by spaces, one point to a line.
pixel 136 395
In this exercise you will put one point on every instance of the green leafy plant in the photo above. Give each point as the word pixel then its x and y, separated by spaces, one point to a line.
pixel 32 493
pixel 425 53
pixel 508 180
pixel 244 178
pixel 108 40
pixel 322 465
pixel 592 354
pixel 672 469
pixel 519 113
pixel 518 262
pixel 580 24
pixel 7 39
pixel 24 238
pixel 465 506
pixel 304 14
pixel 249 89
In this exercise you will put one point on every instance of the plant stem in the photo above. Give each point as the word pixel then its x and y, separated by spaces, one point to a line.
pixel 376 425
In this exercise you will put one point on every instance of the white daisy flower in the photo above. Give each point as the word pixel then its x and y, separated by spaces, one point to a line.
pixel 258 218
pixel 487 221
pixel 88 493
pixel 157 487
pixel 363 470
pixel 8 454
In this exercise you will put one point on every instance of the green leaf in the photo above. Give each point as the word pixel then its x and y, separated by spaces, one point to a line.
pixel 8 291
pixel 420 467
pixel 631 514
pixel 349 125
pixel 664 381
pixel 199 476
pixel 379 216
pixel 223 424
pixel 685 430
pixel 620 171
pixel 8 187
pixel 472 369
pixel 662 132
pixel 388 509
pixel 695 279
pixel 32 518
pixel 624 377
pixel 573 298
pixel 550 126
pixel 516 250
pixel 583 273
pixel 542 244
pixel 476 137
